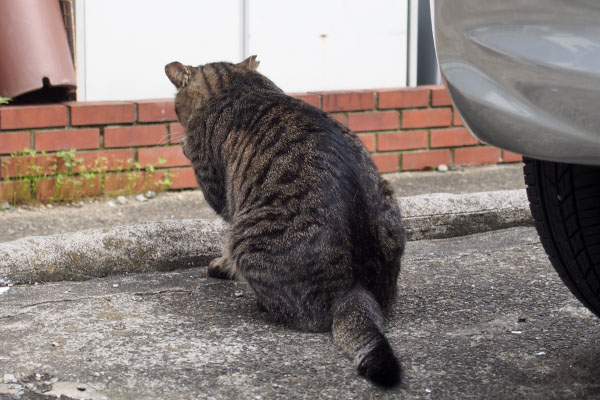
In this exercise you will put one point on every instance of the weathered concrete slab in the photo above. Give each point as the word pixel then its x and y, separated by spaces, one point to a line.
pixel 157 246
pixel 443 215
pixel 167 245
pixel 478 317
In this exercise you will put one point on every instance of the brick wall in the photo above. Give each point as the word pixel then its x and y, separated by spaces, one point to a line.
pixel 404 129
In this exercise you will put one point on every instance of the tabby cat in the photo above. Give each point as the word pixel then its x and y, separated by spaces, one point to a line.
pixel 314 229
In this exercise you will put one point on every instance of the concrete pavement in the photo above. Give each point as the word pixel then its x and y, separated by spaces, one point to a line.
pixel 479 316
pixel 482 315
pixel 172 244
pixel 178 230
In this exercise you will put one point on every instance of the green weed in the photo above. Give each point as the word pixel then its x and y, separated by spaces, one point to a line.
pixel 65 177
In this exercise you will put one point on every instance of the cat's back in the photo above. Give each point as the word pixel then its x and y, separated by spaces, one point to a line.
pixel 287 149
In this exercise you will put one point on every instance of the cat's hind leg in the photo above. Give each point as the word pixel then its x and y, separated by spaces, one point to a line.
pixel 218 269
pixel 222 267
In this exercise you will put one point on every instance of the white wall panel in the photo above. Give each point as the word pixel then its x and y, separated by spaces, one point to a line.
pixel 329 44
pixel 123 45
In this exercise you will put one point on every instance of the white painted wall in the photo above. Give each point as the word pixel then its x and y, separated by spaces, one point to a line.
pixel 331 44
pixel 123 45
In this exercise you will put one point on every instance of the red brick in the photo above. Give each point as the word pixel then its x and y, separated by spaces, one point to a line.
pixel 340 117
pixel 386 162
pixel 156 110
pixel 403 140
pixel 373 121
pixel 15 191
pixel 509 156
pixel 172 154
pixel 50 164
pixel 133 182
pixel 101 161
pixel 425 159
pixel 456 121
pixel 311 98
pixel 440 97
pixel 477 155
pixel 38 116
pixel 348 101
pixel 101 112
pixel 426 118
pixel 20 166
pixel 139 135
pixel 176 133
pixel 68 188
pixel 403 98
pixel 453 137
pixel 182 178
pixel 368 140
pixel 67 139
pixel 124 183
pixel 13 142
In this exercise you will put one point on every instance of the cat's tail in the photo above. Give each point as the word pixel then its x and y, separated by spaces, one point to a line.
pixel 357 329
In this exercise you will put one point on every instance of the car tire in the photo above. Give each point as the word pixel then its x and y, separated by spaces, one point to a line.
pixel 565 204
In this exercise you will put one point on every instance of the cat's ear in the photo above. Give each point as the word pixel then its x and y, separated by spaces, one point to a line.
pixel 250 63
pixel 178 73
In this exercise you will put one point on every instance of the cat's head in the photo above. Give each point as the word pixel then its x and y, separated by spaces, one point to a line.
pixel 196 85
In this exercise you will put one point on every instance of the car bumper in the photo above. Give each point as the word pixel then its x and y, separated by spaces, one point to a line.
pixel 525 75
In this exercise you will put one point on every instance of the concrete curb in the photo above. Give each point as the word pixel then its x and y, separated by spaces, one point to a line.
pixel 443 215
pixel 168 245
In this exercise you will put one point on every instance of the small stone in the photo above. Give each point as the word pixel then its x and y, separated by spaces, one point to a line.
pixel 122 200
pixel 9 378
pixel 150 194
pixel 540 353
pixel 521 319
pixel 4 289
pixel 238 293
pixel 442 168
pixel 55 344
pixel 141 197
pixel 115 285
pixel 111 203
pixel 427 390
pixel 5 205
pixel 515 332
pixel 49 206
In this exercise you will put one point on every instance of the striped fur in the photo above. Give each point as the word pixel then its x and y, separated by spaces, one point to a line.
pixel 315 230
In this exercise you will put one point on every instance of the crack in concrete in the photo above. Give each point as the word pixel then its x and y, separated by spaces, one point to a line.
pixel 163 291
pixel 26 308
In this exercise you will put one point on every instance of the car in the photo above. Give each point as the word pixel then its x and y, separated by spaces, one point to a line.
pixel 524 76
